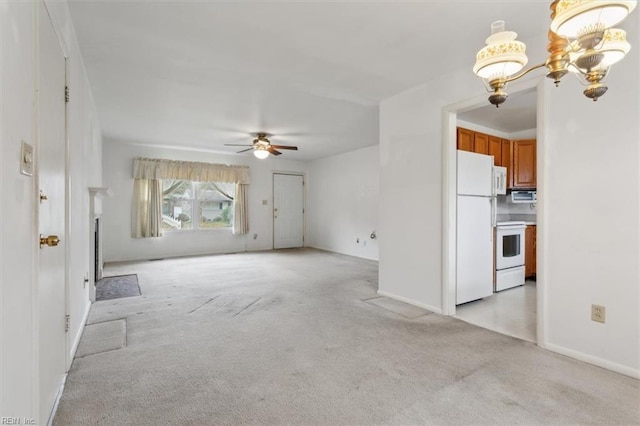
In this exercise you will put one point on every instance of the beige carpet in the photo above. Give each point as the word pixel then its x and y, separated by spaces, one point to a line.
pixel 291 337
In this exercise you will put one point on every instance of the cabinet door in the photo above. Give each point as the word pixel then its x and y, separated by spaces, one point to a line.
pixel 495 149
pixel 480 143
pixel 465 139
pixel 530 251
pixel 524 163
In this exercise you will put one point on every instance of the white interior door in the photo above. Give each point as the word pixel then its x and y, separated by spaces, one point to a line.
pixel 288 211
pixel 51 181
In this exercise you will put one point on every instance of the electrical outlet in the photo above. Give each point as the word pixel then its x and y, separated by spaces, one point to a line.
pixel 597 313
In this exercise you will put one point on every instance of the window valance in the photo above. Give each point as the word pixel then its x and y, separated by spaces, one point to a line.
pixel 159 169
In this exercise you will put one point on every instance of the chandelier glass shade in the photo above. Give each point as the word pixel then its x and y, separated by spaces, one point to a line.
pixel 581 40
pixel 502 56
pixel 574 18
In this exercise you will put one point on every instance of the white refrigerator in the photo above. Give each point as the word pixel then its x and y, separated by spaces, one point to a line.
pixel 475 214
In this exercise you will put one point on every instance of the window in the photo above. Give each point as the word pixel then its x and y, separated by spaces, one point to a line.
pixel 197 205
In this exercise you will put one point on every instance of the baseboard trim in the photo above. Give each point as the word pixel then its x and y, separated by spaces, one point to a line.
pixel 410 302
pixel 622 369
pixel 54 409
pixel 78 336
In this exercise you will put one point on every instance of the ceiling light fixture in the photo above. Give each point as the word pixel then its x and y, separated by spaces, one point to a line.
pixel 261 152
pixel 581 40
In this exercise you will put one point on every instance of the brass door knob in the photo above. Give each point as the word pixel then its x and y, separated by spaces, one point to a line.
pixel 51 241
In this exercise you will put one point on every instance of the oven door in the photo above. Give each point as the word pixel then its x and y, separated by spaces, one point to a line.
pixel 509 247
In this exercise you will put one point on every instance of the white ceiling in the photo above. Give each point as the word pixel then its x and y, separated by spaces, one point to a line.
pixel 200 74
pixel 516 114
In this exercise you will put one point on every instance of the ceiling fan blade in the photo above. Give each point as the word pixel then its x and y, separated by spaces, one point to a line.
pixel 245 150
pixel 273 151
pixel 295 148
pixel 237 144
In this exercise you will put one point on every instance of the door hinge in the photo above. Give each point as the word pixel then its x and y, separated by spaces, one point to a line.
pixel 66 94
pixel 67 323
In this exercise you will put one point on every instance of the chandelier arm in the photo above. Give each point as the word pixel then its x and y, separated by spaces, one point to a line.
pixel 525 72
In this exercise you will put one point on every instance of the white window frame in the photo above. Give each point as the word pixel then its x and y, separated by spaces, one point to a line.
pixel 196 210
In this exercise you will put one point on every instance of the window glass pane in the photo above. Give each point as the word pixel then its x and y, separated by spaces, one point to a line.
pixel 216 204
pixel 177 189
pixel 216 214
pixel 181 213
pixel 216 191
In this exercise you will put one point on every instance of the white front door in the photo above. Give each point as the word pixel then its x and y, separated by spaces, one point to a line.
pixel 288 211
pixel 51 181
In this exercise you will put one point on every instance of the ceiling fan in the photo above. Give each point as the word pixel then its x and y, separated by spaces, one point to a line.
pixel 262 146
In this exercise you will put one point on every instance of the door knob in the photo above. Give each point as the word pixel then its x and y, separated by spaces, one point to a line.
pixel 51 241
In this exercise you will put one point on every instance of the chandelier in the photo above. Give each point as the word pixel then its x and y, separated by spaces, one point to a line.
pixel 582 40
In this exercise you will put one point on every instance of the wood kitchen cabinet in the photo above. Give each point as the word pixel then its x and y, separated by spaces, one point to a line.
pixel 524 163
pixel 519 157
pixel 530 251
pixel 465 139
pixel 495 149
pixel 480 143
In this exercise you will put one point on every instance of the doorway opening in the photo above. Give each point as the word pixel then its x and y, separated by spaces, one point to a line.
pixel 510 309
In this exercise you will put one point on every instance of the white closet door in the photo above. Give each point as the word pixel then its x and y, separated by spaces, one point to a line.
pixel 52 297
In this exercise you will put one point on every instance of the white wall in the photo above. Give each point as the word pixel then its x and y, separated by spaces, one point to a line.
pixel 18 255
pixel 343 202
pixel 591 216
pixel 18 375
pixel 411 189
pixel 590 258
pixel 118 171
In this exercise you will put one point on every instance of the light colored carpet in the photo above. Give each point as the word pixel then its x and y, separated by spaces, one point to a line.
pixel 400 308
pixel 285 338
pixel 103 337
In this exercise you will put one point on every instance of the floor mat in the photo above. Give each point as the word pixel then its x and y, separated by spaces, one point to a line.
pixel 103 337
pixel 117 287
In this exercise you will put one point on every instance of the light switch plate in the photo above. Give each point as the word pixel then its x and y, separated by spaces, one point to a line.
pixel 26 159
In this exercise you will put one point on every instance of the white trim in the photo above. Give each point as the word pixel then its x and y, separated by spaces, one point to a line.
pixel 410 302
pixel 618 368
pixel 449 208
pixel 76 340
pixel 57 28
pixel 541 183
pixel 56 402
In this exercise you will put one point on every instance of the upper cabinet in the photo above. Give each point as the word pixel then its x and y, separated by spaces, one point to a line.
pixel 480 143
pixel 465 139
pixel 495 149
pixel 519 157
pixel 524 163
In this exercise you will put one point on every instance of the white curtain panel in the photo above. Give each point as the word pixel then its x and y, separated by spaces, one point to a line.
pixel 146 209
pixel 241 212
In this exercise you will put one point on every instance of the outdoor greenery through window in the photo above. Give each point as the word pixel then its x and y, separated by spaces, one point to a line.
pixel 197 205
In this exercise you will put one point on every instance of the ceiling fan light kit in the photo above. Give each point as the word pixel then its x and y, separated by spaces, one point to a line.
pixel 581 41
pixel 262 147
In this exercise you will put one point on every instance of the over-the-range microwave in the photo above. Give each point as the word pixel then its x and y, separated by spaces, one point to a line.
pixel 524 197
